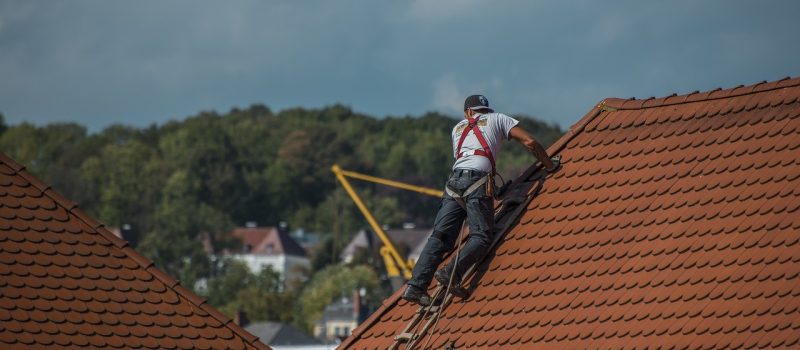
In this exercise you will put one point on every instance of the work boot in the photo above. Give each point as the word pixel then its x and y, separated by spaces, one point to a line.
pixel 415 295
pixel 443 277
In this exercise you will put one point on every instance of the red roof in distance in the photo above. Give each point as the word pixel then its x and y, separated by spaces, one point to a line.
pixel 267 240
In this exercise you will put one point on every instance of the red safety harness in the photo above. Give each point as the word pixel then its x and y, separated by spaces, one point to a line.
pixel 486 151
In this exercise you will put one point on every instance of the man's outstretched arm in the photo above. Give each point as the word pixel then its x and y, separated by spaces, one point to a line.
pixel 533 146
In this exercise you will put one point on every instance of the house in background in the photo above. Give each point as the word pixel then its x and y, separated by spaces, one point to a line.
pixel 275 333
pixel 406 240
pixel 417 250
pixel 309 241
pixel 280 334
pixel 269 246
pixel 341 317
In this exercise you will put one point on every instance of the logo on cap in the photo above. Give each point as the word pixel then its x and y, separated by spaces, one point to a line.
pixel 483 100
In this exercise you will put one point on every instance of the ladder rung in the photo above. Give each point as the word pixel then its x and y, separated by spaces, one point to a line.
pixel 404 337
pixel 429 309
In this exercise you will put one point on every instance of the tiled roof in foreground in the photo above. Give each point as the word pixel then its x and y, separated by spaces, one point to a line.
pixel 673 224
pixel 67 282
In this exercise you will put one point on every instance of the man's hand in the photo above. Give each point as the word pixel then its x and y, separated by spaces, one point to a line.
pixel 556 160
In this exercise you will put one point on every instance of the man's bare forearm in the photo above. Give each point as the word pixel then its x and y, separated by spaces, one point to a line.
pixel 533 146
pixel 540 154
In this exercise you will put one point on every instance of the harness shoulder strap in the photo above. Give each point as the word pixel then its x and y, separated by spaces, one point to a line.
pixel 472 125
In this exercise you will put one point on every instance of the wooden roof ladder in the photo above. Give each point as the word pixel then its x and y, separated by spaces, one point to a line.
pixel 506 215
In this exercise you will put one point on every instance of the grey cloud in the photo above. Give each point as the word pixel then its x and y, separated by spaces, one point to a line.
pixel 100 62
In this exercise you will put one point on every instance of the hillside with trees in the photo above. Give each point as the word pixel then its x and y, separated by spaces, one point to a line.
pixel 172 183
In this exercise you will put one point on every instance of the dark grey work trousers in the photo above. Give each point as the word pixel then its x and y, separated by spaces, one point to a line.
pixel 480 218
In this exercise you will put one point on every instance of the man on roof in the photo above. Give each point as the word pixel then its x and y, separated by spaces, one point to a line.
pixel 469 194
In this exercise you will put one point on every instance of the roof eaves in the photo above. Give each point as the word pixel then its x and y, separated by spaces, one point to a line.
pixel 145 263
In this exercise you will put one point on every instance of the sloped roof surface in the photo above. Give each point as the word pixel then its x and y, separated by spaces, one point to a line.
pixel 67 282
pixel 673 224
pixel 260 239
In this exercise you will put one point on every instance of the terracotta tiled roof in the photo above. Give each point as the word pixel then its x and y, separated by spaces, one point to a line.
pixel 673 224
pixel 268 240
pixel 67 282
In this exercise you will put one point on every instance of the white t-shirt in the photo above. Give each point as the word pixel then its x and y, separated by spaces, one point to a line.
pixel 495 128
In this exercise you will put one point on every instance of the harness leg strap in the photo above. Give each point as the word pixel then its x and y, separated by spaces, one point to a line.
pixel 460 198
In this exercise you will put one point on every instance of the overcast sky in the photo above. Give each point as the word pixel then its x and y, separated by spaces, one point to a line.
pixel 141 62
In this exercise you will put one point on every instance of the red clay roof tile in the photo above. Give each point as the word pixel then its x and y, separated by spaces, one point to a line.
pixel 672 224
pixel 66 281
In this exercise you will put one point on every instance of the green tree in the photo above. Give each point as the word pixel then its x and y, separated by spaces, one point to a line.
pixel 180 255
pixel 129 178
pixel 182 222
pixel 263 299
pixel 207 156
pixel 185 181
pixel 234 288
pixel 230 277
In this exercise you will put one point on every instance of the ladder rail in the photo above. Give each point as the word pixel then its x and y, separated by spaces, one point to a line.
pixel 501 215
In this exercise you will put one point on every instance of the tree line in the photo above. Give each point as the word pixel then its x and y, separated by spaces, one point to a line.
pixel 171 184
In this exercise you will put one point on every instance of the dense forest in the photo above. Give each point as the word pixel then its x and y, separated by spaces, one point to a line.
pixel 169 184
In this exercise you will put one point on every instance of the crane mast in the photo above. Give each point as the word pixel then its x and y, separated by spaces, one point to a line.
pixel 395 264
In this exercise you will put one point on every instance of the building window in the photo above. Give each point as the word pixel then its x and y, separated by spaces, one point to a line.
pixel 336 331
pixel 346 331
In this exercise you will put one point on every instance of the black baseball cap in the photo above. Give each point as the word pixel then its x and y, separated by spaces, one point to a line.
pixel 477 102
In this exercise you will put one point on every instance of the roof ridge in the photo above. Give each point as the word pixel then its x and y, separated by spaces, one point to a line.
pixel 696 96
pixel 123 245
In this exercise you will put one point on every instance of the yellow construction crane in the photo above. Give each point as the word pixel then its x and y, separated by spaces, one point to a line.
pixel 391 257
